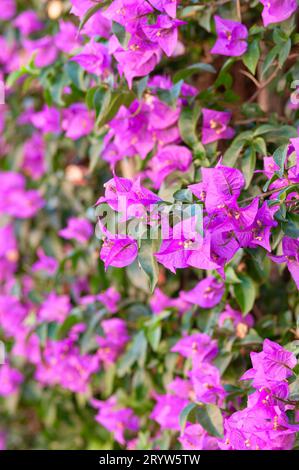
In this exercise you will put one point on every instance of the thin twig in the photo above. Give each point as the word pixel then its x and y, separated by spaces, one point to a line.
pixel 251 77
pixel 262 195
pixel 239 11
pixel 264 84
pixel 261 119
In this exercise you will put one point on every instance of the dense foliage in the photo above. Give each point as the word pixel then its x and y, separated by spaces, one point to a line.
pixel 149 234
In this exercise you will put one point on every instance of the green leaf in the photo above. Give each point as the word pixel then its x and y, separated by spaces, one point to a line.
pixel 204 19
pixel 276 134
pixel 14 76
pixel 230 276
pixel 111 103
pixel 188 123
pixel 260 146
pixel 294 390
pixel 208 415
pixel 170 96
pixel 245 293
pixel 96 98
pixel 234 150
pixel 42 333
pixel 191 70
pixel 222 361
pixel 92 11
pixel 153 335
pixel 183 195
pixel 120 32
pixel 251 58
pixel 28 69
pixel 148 262
pixel 271 56
pixel 284 52
pixel 69 322
pixel 89 97
pixel 75 73
pixel 248 164
pixel 135 353
pixel 185 414
pixel 291 227
pixel 280 156
pixel 140 86
pixel 187 126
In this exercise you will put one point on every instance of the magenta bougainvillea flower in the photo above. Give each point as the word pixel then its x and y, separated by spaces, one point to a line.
pixel 2 441
pixel 275 11
pixel 10 380
pixel 207 293
pixel 78 229
pixel 274 364
pixel 260 230
pixel 63 364
pixel 34 163
pixel 28 22
pixel 45 263
pixel 97 24
pixel 12 315
pixel 115 418
pixel 94 58
pixel 9 254
pixel 178 245
pixel 55 308
pixel 15 200
pixel 47 120
pixel 77 121
pixel 229 315
pixel 128 12
pixel 261 427
pixel 67 39
pixel 164 32
pixel 80 7
pixel 110 298
pixel 290 249
pixel 160 302
pixel 44 50
pixel 128 197
pixel 180 387
pixel 195 437
pixel 118 251
pixel 206 382
pixel 199 345
pixel 7 9
pixel 215 126
pixel 137 129
pixel 232 37
pixel 167 411
pixel 169 159
pixel 167 6
pixel 138 59
pixel 115 338
pixel 220 186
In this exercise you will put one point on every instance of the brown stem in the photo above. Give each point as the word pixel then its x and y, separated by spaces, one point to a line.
pixel 264 84
pixel 262 195
pixel 239 15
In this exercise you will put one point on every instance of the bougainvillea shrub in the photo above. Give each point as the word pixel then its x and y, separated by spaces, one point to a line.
pixel 149 234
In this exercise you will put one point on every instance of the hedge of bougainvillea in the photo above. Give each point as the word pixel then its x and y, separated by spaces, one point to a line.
pixel 149 232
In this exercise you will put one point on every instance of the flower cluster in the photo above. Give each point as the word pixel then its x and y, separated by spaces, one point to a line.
pixel 264 424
